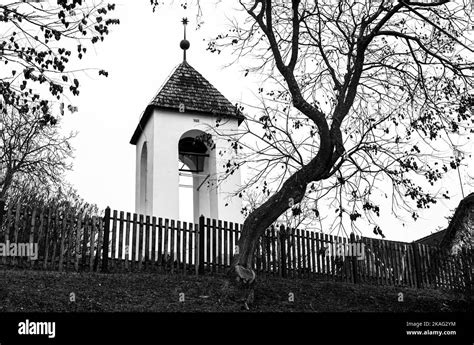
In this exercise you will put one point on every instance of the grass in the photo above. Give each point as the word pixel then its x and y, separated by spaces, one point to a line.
pixel 41 291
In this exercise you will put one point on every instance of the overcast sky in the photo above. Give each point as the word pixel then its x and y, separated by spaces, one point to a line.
pixel 139 55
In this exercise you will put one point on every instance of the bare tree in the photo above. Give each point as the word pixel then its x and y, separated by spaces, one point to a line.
pixel 38 43
pixel 32 149
pixel 359 96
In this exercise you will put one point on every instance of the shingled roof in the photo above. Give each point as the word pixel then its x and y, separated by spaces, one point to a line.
pixel 187 86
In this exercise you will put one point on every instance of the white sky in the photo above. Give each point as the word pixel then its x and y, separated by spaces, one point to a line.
pixel 139 54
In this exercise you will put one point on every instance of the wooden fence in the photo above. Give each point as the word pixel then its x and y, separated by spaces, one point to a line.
pixel 65 241
pixel 122 241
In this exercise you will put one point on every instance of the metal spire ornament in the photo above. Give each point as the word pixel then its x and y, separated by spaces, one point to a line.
pixel 184 43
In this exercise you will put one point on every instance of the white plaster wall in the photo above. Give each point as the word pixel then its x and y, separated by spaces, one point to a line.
pixel 163 131
pixel 147 136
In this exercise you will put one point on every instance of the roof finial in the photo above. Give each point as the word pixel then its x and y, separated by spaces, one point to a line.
pixel 184 43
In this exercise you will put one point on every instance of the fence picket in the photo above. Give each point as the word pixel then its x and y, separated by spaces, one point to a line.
pixel 154 249
pixel 160 236
pixel 69 231
pixel 226 252
pixel 120 240
pixel 31 238
pixel 41 228
pixel 303 253
pixel 147 241
pixel 172 244
pixel 208 244
pixel 191 240
pixel 438 269
pixel 370 263
pixel 397 264
pixel 317 249
pixel 340 264
pixel 411 266
pixel 276 259
pixel 140 239
pixel 77 242
pixel 61 250
pixel 298 252
pixel 310 251
pixel 187 250
pixel 424 266
pixel 93 243
pixel 100 240
pixel 220 251
pixel 400 264
pixel 325 259
pixel 431 267
pixel 238 231
pixel 186 227
pixel 178 245
pixel 278 252
pixel 391 270
pixel 16 230
pixel 165 244
pixel 390 258
pixel 85 234
pixel 113 243
pixel 127 246
pixel 214 246
pixel 265 251
pixel 405 266
pixel 198 246
pixel 406 257
pixel 134 251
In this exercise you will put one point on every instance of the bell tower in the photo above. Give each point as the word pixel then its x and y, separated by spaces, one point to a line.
pixel 174 141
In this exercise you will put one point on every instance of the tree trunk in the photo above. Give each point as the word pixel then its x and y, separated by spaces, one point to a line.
pixel 6 183
pixel 265 215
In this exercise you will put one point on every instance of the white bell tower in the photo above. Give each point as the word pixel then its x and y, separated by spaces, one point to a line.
pixel 173 139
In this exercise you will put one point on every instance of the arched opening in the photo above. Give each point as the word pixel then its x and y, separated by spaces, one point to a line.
pixel 193 156
pixel 186 194
pixel 143 179
pixel 192 152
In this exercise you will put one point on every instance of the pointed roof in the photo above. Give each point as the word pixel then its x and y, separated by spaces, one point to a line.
pixel 187 86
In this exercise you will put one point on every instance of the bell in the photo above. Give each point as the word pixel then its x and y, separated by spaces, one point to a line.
pixel 195 152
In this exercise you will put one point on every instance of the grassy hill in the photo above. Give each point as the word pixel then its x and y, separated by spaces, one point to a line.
pixel 37 291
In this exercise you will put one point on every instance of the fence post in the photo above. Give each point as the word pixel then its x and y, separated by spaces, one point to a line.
pixel 105 247
pixel 282 236
pixel 355 278
pixel 201 245
pixel 416 260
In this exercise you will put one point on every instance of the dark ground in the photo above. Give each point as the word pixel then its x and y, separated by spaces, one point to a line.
pixel 39 291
